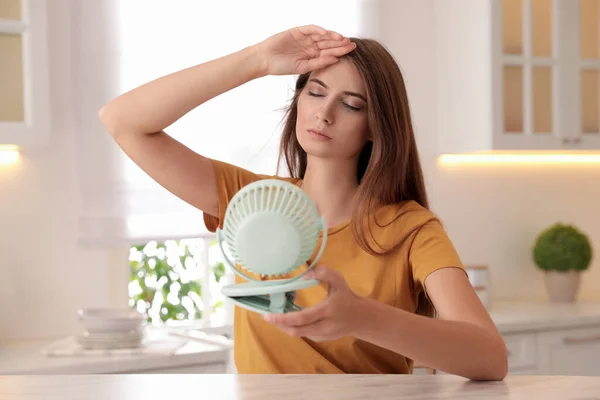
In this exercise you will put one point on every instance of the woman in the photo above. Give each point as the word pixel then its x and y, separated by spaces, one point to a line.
pixel 349 144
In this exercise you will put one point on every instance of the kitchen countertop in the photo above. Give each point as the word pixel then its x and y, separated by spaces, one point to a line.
pixel 290 387
pixel 513 317
pixel 26 357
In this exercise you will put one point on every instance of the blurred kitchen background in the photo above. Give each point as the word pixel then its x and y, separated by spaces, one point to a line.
pixel 505 97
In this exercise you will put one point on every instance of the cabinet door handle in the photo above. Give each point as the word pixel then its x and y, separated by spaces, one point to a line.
pixel 577 340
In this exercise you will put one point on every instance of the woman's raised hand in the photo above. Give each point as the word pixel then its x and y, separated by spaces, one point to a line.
pixel 302 49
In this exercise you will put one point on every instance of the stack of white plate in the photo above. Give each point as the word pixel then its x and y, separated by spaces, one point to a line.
pixel 110 328
pixel 106 341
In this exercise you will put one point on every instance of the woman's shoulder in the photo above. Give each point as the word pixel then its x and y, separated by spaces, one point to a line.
pixel 405 215
pixel 413 224
pixel 397 226
pixel 240 176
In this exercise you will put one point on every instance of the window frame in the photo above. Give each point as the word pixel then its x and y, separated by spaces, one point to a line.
pixel 204 324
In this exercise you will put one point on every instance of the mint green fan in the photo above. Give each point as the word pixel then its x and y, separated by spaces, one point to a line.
pixel 271 228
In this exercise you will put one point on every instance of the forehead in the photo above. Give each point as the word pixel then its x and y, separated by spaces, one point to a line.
pixel 342 75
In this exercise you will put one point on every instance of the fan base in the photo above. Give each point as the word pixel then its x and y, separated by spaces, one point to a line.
pixel 267 297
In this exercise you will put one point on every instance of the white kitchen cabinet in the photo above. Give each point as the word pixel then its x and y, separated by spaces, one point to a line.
pixel 24 73
pixel 518 75
pixel 570 352
pixel 521 351
pixel 550 339
pixel 555 352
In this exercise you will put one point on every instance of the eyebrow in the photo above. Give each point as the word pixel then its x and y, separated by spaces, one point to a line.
pixel 360 96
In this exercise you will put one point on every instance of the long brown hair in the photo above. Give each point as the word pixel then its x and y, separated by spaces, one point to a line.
pixel 389 169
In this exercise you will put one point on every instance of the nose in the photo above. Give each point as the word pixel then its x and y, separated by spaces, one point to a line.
pixel 325 114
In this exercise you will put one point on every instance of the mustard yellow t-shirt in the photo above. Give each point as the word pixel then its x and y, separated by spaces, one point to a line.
pixel 396 279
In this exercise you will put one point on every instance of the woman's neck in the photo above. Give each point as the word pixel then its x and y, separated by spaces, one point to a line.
pixel 331 184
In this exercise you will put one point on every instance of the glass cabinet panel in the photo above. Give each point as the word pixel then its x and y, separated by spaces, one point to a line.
pixel 11 78
pixel 589 50
pixel 588 29
pixel 513 99
pixel 10 9
pixel 512 26
pixel 589 101
pixel 541 30
pixel 542 99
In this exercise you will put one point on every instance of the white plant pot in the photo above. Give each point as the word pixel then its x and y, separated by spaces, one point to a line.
pixel 562 287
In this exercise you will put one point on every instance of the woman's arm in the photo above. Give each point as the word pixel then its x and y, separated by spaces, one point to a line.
pixel 464 341
pixel 137 119
pixel 152 107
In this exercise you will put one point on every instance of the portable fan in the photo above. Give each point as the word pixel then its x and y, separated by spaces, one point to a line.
pixel 271 229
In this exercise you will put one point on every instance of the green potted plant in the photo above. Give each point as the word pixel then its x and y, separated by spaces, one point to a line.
pixel 563 253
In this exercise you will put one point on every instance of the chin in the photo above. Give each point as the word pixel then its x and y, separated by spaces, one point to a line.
pixel 323 153
pixel 313 151
pixel 317 149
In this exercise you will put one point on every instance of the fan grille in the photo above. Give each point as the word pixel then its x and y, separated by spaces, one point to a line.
pixel 287 223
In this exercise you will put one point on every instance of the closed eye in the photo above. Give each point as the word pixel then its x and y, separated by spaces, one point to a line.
pixel 352 108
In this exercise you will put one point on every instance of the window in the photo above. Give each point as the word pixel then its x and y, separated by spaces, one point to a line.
pixel 179 281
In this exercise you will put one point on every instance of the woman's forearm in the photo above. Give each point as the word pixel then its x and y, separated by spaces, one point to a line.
pixel 156 105
pixel 458 348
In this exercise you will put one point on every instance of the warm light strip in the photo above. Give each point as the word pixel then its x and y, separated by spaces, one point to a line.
pixel 516 158
pixel 9 154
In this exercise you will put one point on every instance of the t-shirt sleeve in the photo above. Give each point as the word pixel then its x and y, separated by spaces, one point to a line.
pixel 430 251
pixel 230 179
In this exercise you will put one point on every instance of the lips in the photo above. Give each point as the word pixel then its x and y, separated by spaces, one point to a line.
pixel 319 133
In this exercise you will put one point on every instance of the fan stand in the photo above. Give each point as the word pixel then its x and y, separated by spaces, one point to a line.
pixel 263 297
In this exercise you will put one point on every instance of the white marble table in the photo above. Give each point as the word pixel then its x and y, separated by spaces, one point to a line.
pixel 290 387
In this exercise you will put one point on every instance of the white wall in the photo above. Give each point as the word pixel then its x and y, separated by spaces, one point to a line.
pixel 492 212
pixel 46 277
